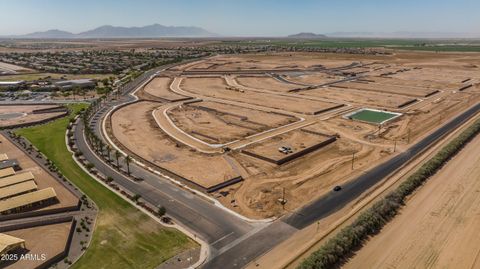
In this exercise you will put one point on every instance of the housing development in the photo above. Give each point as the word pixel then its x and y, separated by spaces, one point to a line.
pixel 176 147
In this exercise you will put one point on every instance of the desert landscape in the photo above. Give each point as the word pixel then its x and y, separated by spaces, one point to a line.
pixel 438 228
pixel 256 129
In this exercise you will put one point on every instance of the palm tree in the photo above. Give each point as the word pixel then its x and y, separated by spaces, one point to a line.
pixel 128 159
pixel 117 156
pixel 109 150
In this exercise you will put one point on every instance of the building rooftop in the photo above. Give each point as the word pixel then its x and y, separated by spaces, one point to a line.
pixel 17 189
pixel 15 179
pixel 8 242
pixel 5 172
pixel 27 199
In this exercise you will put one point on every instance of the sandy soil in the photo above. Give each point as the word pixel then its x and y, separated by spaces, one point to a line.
pixel 135 128
pixel 375 87
pixel 57 235
pixel 267 83
pixel 160 87
pixel 297 140
pixel 438 228
pixel 310 176
pixel 10 115
pixel 204 119
pixel 314 78
pixel 216 87
pixel 42 178
pixel 360 98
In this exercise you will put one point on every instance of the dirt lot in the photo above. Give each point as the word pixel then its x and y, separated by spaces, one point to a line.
pixel 360 98
pixel 375 87
pixel 160 87
pixel 216 87
pixel 135 129
pixel 297 140
pixel 438 228
pixel 57 235
pixel 42 178
pixel 266 83
pixel 203 120
pixel 10 115
pixel 220 119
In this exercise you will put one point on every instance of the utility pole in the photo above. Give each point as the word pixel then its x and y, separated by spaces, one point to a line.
pixel 318 225
pixel 353 159
pixel 283 199
pixel 408 139
pixel 395 145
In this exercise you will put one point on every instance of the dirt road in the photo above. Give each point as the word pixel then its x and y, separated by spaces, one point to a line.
pixel 439 226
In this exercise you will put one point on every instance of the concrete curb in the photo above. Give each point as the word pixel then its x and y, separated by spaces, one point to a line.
pixel 204 249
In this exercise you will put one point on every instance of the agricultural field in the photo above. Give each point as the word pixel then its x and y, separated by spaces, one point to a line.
pixel 276 106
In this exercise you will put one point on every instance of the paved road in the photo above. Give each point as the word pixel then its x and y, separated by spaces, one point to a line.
pixel 234 242
pixel 335 200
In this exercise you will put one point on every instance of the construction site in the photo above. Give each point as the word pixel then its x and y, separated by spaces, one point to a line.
pixel 268 133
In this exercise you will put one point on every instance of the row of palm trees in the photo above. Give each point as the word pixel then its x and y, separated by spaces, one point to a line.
pixel 101 148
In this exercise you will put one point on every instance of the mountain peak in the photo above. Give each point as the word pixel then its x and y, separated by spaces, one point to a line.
pixel 110 31
pixel 307 35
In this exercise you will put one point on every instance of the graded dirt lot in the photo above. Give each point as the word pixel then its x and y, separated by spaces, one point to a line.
pixel 438 228
pixel 57 235
pixel 203 120
pixel 160 87
pixel 266 83
pixel 135 129
pixel 216 87
pixel 296 140
pixel 203 140
pixel 12 115
pixel 359 97
pixel 42 178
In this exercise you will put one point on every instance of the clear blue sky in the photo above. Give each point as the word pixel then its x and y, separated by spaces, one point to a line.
pixel 245 17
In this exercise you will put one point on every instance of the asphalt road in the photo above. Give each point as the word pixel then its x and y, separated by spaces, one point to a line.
pixel 233 241
pixel 330 203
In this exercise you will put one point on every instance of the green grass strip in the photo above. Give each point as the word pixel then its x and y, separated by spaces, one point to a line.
pixel 124 236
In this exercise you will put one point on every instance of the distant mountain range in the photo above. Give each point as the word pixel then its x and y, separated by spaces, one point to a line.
pixel 109 31
pixel 304 35
pixel 403 34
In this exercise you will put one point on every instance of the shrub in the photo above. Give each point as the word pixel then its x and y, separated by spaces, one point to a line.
pixel 372 220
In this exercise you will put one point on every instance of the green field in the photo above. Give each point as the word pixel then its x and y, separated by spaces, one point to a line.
pixel 397 44
pixel 372 116
pixel 124 236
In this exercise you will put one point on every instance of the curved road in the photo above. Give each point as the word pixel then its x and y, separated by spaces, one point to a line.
pixel 233 241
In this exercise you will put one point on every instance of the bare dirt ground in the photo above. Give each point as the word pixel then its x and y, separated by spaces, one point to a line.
pixel 135 129
pixel 216 87
pixel 438 228
pixel 160 87
pixel 13 69
pixel 57 235
pixel 234 108
pixel 203 120
pixel 359 97
pixel 42 177
pixel 297 140
pixel 267 83
pixel 10 115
